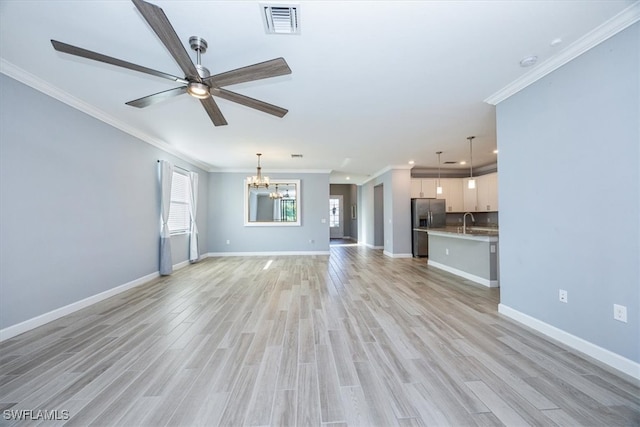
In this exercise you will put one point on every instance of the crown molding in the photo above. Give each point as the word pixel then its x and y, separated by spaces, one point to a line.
pixel 9 69
pixel 385 170
pixel 271 171
pixel 619 22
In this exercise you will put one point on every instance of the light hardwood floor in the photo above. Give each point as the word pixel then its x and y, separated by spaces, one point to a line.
pixel 354 338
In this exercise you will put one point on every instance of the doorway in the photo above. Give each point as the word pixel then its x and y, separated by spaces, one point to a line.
pixel 378 216
pixel 336 217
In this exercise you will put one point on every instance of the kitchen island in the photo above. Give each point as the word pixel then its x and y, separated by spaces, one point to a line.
pixel 473 256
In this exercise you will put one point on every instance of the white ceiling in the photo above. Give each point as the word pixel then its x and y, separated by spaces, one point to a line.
pixel 374 83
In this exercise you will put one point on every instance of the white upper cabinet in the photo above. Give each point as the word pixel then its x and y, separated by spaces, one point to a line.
pixel 483 198
pixel 487 186
pixel 452 193
pixel 423 188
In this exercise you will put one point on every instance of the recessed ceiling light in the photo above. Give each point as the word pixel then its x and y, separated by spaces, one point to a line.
pixel 463 162
pixel 411 162
pixel 348 178
pixel 528 61
pixel 495 151
pixel 555 42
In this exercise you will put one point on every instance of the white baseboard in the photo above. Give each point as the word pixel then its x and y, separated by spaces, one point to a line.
pixel 603 355
pixel 368 245
pixel 485 282
pixel 389 254
pixel 302 253
pixel 27 325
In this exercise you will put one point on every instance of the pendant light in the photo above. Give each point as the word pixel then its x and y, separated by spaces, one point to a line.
pixel 471 184
pixel 258 180
pixel 439 187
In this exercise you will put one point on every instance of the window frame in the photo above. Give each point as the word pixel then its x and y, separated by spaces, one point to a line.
pixel 185 217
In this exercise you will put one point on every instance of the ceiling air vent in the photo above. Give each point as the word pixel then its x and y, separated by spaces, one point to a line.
pixel 296 156
pixel 281 19
pixel 450 163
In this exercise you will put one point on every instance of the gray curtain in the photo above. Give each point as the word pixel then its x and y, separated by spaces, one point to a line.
pixel 193 209
pixel 166 175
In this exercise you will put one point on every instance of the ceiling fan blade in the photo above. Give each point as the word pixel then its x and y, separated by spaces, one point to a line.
pixel 249 102
pixel 157 97
pixel 159 22
pixel 262 70
pixel 213 111
pixel 84 53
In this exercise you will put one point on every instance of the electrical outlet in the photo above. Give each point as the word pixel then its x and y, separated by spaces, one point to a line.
pixel 446 251
pixel 228 242
pixel 620 313
pixel 311 241
pixel 562 296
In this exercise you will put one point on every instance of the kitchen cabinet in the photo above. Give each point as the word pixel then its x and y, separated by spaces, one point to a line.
pixel 452 193
pixel 423 188
pixel 483 198
pixel 487 192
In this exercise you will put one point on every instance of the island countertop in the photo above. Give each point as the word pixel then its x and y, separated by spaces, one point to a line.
pixel 483 234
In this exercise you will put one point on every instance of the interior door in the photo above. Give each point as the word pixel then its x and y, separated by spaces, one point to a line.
pixel 336 217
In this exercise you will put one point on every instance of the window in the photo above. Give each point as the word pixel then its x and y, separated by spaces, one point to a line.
pixel 334 212
pixel 179 218
pixel 288 210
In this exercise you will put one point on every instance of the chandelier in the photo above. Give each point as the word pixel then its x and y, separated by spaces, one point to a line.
pixel 258 181
pixel 275 195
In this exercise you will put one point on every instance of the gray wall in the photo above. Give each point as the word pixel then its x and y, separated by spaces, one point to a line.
pixel 570 194
pixel 226 217
pixel 80 205
pixel 396 199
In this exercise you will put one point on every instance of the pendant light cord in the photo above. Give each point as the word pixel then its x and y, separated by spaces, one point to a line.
pixel 470 138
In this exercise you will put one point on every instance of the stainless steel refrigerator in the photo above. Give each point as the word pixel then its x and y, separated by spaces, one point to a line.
pixel 425 214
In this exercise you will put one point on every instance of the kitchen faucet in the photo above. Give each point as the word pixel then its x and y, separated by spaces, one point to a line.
pixel 464 221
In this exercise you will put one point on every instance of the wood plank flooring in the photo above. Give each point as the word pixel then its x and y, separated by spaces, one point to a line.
pixel 350 339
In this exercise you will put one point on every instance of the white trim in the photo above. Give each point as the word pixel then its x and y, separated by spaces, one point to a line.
pixel 619 22
pixel 277 253
pixel 386 169
pixel 603 355
pixel 392 255
pixel 42 319
pixel 271 171
pixel 368 245
pixel 38 84
pixel 485 282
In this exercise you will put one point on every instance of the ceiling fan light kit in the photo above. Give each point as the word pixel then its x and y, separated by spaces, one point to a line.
pixel 198 81
pixel 198 90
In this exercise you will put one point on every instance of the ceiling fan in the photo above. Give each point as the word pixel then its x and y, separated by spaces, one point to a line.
pixel 197 81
